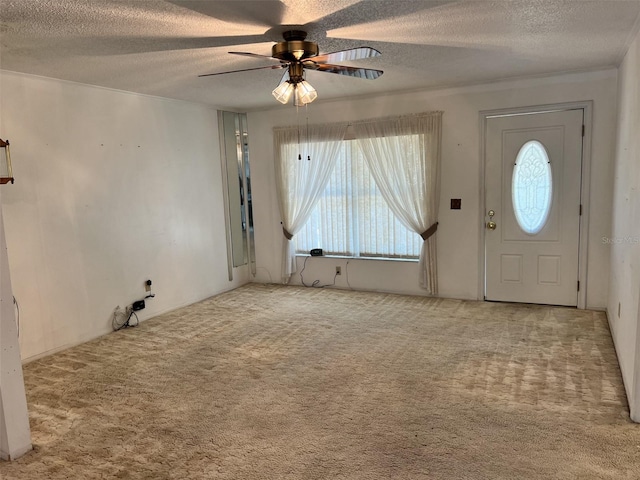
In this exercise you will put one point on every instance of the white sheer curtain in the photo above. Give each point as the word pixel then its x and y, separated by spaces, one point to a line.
pixel 403 155
pixel 304 159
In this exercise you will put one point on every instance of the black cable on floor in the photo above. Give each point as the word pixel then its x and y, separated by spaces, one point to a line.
pixel 315 282
pixel 302 271
pixel 133 313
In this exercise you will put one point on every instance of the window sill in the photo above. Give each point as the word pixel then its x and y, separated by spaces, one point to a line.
pixel 346 257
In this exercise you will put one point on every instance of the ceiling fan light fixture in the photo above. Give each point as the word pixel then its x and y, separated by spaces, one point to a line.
pixel 305 92
pixel 283 92
pixel 295 54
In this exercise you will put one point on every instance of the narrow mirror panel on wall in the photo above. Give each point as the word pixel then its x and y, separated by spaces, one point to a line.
pixel 237 192
pixel 251 252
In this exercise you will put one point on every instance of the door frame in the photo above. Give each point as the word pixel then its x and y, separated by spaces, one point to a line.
pixel 583 240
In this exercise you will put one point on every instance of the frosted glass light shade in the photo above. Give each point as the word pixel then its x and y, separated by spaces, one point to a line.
pixel 306 93
pixel 283 92
pixel 302 92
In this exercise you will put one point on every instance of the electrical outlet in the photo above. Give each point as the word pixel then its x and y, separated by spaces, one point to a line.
pixel 147 286
pixel 338 270
pixel 618 309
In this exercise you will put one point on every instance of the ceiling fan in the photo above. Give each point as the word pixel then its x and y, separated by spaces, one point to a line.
pixel 295 54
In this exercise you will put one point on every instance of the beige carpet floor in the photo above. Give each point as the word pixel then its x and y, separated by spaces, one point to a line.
pixel 274 382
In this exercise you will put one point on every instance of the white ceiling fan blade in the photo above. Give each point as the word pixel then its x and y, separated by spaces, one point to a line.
pixel 271 67
pixel 257 55
pixel 346 55
pixel 366 73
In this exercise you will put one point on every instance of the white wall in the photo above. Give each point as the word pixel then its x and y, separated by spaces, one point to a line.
pixel 15 435
pixel 458 233
pixel 111 189
pixel 625 247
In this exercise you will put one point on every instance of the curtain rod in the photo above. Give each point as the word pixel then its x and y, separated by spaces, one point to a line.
pixel 376 119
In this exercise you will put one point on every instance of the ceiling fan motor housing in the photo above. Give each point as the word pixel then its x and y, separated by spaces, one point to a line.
pixel 294 48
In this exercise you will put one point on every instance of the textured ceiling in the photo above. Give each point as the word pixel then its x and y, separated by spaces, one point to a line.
pixel 160 47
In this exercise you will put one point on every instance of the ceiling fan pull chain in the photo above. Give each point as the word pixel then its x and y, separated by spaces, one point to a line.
pixel 306 111
pixel 298 121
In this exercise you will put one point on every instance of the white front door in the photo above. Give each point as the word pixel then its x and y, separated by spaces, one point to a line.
pixel 532 188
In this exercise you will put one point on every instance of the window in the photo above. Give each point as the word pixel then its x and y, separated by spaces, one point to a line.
pixel 531 187
pixel 352 218
pixel 349 206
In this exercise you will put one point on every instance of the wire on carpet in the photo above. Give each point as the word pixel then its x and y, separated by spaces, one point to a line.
pixel 315 283
pixel 346 271
pixel 118 321
pixel 268 273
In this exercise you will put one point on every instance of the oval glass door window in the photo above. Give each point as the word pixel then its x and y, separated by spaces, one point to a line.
pixel 531 187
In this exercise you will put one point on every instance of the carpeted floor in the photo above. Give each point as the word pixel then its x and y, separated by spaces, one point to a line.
pixel 274 382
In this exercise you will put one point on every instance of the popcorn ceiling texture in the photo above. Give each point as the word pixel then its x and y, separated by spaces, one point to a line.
pixel 160 47
pixel 283 382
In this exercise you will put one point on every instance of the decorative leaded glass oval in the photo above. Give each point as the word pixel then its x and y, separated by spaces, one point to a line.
pixel 531 187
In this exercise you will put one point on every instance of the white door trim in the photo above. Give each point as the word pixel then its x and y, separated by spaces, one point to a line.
pixel 587 107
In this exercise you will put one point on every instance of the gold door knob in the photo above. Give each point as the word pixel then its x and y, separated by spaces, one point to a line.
pixel 491 225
